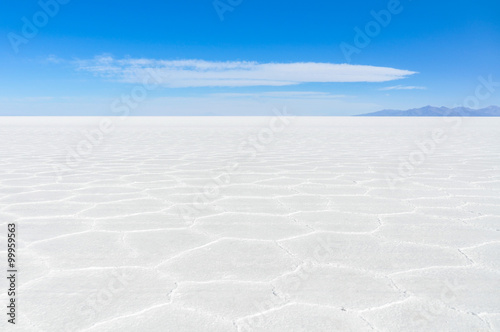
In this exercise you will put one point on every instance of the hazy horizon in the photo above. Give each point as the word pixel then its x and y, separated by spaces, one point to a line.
pixel 247 57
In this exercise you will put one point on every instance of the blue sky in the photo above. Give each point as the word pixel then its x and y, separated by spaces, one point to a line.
pixel 244 57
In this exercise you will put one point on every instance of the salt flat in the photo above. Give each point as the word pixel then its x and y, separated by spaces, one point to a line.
pixel 253 223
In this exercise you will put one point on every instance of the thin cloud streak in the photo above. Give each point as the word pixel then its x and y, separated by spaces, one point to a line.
pixel 403 87
pixel 282 94
pixel 201 73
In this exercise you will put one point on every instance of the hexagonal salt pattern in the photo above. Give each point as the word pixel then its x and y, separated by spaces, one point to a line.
pixel 197 224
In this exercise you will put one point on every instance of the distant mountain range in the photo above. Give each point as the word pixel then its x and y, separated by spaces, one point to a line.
pixel 439 111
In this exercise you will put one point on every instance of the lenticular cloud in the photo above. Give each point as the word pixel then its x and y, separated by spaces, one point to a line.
pixel 201 73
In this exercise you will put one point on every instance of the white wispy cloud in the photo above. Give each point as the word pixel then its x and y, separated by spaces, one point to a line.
pixel 54 59
pixel 201 73
pixel 282 95
pixel 403 87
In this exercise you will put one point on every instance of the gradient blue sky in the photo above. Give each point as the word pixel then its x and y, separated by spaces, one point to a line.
pixel 86 57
